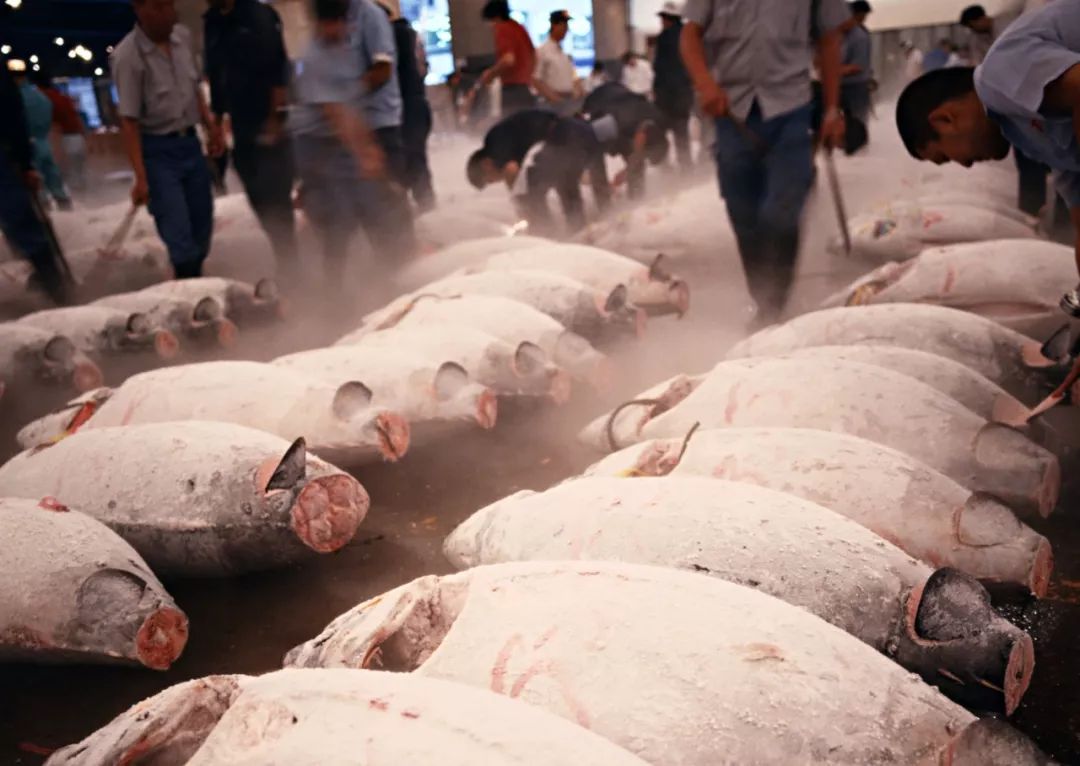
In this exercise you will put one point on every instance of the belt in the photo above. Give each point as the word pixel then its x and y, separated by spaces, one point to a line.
pixel 185 133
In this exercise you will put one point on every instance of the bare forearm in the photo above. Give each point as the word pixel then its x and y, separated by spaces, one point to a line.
pixel 377 76
pixel 350 129
pixel 496 69
pixel 693 55
pixel 209 121
pixel 829 54
pixel 129 131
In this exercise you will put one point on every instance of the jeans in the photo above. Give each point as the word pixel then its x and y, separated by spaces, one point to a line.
pixel 75 151
pixel 855 100
pixel 392 224
pixel 268 173
pixel 181 200
pixel 764 182
pixel 415 129
pixel 45 164
pixel 26 233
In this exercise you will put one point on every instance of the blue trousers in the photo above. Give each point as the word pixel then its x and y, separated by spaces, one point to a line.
pixel 181 200
pixel 765 168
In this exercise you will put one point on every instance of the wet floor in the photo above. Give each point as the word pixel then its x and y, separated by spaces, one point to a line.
pixel 246 624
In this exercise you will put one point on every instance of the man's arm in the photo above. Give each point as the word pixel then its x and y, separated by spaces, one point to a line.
pixel 353 132
pixel 381 46
pixel 130 132
pixel 832 124
pixel 1062 96
pixel 713 98
pixel 215 141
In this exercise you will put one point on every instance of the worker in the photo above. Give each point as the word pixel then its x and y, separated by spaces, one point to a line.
pixel 19 184
pixel 515 61
pixel 672 91
pixel 939 56
pixel 535 151
pixel 639 134
pixel 159 105
pixel 913 60
pixel 415 109
pixel 756 84
pixel 637 74
pixel 67 122
pixel 39 115
pixel 556 78
pixel 338 157
pixel 1026 94
pixel 248 73
pixel 981 27
pixel 855 63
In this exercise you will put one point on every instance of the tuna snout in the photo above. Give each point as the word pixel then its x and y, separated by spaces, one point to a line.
pixel 393 435
pixel 166 345
pixel 955 640
pixel 560 386
pixel 328 510
pixel 487 409
pixel 87 376
pixel 161 638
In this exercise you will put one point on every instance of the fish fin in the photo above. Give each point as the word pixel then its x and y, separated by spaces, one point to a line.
pixel 1056 347
pixel 616 299
pixel 292 467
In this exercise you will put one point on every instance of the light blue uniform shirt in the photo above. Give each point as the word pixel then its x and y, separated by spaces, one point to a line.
pixel 1031 54
pixel 856 50
pixel 374 41
pixel 327 74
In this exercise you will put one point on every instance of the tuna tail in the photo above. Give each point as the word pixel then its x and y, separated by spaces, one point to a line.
pixel 955 640
pixel 990 742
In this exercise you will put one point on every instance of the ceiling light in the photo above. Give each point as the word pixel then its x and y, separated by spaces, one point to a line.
pixel 99 71
pixel 59 41
pixel 109 49
pixel 34 59
pixel 37 67
pixel 71 54
pixel 13 3
pixel 5 49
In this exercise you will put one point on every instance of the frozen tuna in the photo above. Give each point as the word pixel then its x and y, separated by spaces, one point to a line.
pixel 585 310
pixel 240 301
pixel 521 369
pixel 75 592
pixel 876 404
pixel 1013 361
pixel 672 666
pixel 510 320
pixel 31 356
pixel 442 227
pixel 919 510
pixel 407 383
pixel 106 331
pixel 197 498
pixel 1015 282
pixel 461 255
pixel 944 629
pixel 201 322
pixel 339 718
pixel 336 420
pixel 906 228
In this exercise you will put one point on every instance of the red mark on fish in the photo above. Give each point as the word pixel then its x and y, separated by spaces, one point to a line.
pixel 950 280
pixel 538 668
pixel 732 403
pixel 929 219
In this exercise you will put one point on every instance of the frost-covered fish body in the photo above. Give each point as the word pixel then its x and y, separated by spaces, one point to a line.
pixel 1016 282
pixel 333 419
pixel 585 310
pixel 779 544
pixel 510 320
pixel 75 592
pixel 1006 357
pixel 201 322
pixel 876 404
pixel 30 355
pixel 906 502
pixel 197 498
pixel 106 331
pixel 522 369
pixel 906 228
pixel 340 718
pixel 462 255
pixel 242 302
pixel 674 667
pixel 407 383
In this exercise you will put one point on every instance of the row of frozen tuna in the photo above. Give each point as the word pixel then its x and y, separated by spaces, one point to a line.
pixel 67 347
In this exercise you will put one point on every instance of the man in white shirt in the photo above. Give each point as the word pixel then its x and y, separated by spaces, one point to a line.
pixel 555 78
pixel 637 74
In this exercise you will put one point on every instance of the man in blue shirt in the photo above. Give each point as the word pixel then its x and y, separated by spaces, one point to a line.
pixel 855 63
pixel 1025 94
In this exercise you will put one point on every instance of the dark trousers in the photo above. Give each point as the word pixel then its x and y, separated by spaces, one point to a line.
pixel 268 173
pixel 181 200
pixel 764 183
pixel 394 216
pixel 570 150
pixel 677 122
pixel 1032 183
pixel 415 129
pixel 515 98
pixel 855 100
pixel 26 232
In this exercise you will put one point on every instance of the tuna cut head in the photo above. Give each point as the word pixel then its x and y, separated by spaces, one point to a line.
pixel 58 361
pixel 951 636
pixel 660 293
pixel 456 397
pixel 357 425
pixel 529 372
pixel 138 332
pixel 324 511
pixel 205 323
pixel 616 314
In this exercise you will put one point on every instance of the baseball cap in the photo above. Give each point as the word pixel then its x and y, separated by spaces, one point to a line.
pixel 670 8
pixel 559 16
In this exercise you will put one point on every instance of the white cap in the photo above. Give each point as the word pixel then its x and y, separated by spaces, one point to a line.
pixel 671 8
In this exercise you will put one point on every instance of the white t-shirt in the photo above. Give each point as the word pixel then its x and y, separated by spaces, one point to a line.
pixel 639 77
pixel 554 67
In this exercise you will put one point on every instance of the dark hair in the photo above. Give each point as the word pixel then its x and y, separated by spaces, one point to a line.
pixel 972 13
pixel 331 10
pixel 598 66
pixel 496 9
pixel 42 79
pixel 474 168
pixel 859 7
pixel 924 95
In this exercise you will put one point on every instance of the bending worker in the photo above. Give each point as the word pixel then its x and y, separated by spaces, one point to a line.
pixel 1025 94
pixel 640 132
pixel 535 151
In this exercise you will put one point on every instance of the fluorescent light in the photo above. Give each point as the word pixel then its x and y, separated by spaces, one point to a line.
pixel 34 59
pixel 5 49
pixel 99 71
pixel 59 41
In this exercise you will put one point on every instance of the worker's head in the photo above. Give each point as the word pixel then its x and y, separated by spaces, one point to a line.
pixel 222 6
pixel 156 17
pixel 629 58
pixel 652 138
pixel 482 170
pixel 670 14
pixel 331 20
pixel 860 9
pixel 941 119
pixel 496 10
pixel 560 25
pixel 974 18
pixel 42 79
